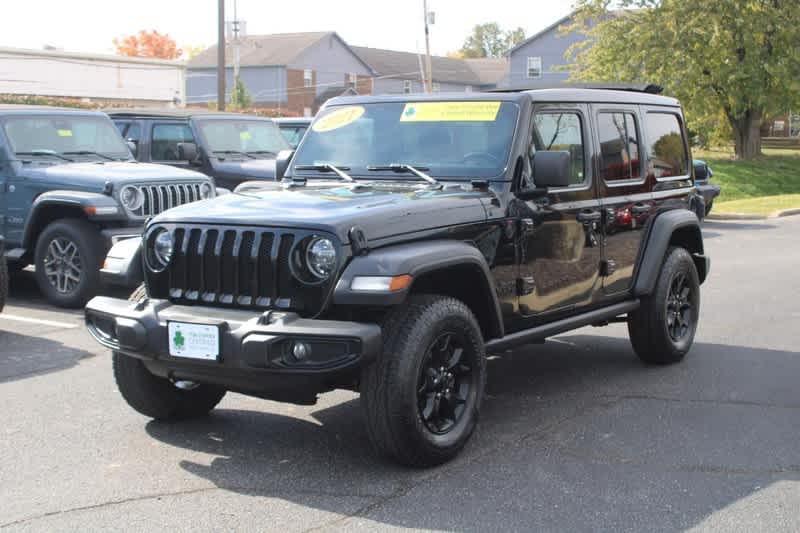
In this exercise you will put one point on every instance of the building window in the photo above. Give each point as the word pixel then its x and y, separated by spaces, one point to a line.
pixel 308 77
pixel 307 112
pixel 352 80
pixel 468 88
pixel 407 86
pixel 437 87
pixel 534 68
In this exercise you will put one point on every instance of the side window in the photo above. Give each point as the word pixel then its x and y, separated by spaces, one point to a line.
pixel 556 131
pixel 166 138
pixel 121 126
pixel 134 132
pixel 619 146
pixel 666 149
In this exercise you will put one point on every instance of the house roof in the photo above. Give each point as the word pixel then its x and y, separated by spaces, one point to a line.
pixel 5 52
pixel 535 36
pixel 490 70
pixel 406 65
pixel 279 49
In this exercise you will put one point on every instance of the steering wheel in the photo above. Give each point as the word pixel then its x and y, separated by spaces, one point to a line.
pixel 484 156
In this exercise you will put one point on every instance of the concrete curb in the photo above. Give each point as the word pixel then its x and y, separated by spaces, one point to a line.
pixel 742 216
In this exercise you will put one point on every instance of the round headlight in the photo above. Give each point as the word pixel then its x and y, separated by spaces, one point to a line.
pixel 321 257
pixel 206 191
pixel 131 198
pixel 162 249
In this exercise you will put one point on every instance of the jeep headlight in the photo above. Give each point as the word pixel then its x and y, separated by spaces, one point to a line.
pixel 206 191
pixel 131 197
pixel 160 249
pixel 321 257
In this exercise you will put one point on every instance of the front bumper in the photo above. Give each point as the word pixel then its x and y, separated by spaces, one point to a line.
pixel 253 347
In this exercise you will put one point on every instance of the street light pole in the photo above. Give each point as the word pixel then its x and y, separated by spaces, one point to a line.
pixel 221 57
pixel 428 84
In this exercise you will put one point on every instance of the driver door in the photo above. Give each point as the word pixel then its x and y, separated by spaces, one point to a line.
pixel 561 243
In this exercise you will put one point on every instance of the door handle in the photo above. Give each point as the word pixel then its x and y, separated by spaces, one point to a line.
pixel 640 209
pixel 589 216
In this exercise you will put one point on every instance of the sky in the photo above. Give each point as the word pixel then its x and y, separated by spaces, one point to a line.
pixel 92 25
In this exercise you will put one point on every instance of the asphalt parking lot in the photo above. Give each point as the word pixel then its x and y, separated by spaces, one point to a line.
pixel 576 434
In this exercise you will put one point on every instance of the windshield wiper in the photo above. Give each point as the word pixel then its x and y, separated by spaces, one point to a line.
pixel 50 153
pixel 402 167
pixel 233 152
pixel 90 152
pixel 326 167
pixel 261 152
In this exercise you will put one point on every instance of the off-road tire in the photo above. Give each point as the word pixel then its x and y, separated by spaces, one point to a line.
pixel 90 247
pixel 648 326
pixel 389 385
pixel 157 397
pixel 3 281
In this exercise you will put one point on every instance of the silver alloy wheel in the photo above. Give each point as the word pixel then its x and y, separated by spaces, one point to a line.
pixel 62 265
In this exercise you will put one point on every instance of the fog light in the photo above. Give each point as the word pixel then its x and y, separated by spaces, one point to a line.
pixel 301 351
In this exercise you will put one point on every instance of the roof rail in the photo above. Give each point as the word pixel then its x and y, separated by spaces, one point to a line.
pixel 649 88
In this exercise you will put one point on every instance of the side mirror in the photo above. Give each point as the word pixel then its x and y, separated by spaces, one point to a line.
pixel 133 146
pixel 187 152
pixel 551 169
pixel 701 170
pixel 282 163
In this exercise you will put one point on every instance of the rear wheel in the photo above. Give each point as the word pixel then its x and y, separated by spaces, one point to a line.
pixel 421 398
pixel 662 330
pixel 69 254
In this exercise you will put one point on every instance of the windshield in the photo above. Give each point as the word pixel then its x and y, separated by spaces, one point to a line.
pixel 58 135
pixel 448 139
pixel 254 137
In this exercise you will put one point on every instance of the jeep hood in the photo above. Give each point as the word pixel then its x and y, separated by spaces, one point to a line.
pixel 382 211
pixel 94 175
pixel 251 168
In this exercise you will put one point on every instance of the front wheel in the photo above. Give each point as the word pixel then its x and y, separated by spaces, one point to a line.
pixel 69 254
pixel 421 398
pixel 662 329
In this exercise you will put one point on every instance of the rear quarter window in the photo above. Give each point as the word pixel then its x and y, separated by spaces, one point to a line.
pixel 666 146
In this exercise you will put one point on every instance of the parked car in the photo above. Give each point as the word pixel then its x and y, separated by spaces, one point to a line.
pixel 293 129
pixel 709 191
pixel 70 189
pixel 413 235
pixel 229 147
pixel 3 275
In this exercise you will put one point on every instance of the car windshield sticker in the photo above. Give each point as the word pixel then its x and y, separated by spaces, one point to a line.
pixel 245 135
pixel 338 119
pixel 65 133
pixel 450 112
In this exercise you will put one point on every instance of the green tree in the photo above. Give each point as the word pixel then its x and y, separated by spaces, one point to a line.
pixel 740 58
pixel 240 96
pixel 489 40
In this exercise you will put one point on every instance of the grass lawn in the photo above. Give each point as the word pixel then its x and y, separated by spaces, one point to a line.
pixel 774 174
pixel 763 205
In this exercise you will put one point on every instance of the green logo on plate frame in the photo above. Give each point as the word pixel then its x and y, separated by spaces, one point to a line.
pixel 178 340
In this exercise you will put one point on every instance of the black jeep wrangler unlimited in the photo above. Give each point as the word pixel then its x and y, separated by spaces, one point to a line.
pixel 411 236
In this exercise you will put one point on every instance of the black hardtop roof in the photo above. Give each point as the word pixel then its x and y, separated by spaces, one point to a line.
pixel 536 95
pixel 23 109
pixel 178 114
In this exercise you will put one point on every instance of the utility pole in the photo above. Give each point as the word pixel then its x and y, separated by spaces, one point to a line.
pixel 428 83
pixel 236 31
pixel 221 57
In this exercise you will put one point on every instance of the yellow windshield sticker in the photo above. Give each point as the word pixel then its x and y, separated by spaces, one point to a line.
pixel 338 119
pixel 245 135
pixel 450 112
pixel 65 133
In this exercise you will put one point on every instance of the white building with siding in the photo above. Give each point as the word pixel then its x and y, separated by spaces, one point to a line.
pixel 93 77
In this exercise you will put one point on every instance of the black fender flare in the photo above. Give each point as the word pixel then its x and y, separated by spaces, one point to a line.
pixel 110 210
pixel 416 260
pixel 662 233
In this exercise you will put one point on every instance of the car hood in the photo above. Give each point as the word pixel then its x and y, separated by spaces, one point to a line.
pixel 94 175
pixel 251 168
pixel 381 210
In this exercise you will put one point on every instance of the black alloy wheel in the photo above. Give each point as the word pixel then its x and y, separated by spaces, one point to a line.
pixel 680 307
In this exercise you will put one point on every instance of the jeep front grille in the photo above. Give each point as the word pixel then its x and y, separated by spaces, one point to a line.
pixel 240 267
pixel 159 198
